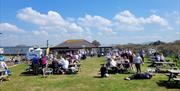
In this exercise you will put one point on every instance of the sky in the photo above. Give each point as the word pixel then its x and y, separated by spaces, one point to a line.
pixel 32 22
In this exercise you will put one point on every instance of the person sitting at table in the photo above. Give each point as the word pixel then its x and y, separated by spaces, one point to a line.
pixel 3 65
pixel 113 65
pixel 65 64
pixel 104 71
pixel 60 61
pixel 76 57
pixel 55 66
pixel 157 57
pixel 126 61
pixel 162 59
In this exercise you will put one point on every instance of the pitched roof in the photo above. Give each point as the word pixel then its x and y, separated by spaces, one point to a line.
pixel 76 43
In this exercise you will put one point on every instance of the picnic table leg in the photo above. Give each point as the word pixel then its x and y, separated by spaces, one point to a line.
pixel 170 77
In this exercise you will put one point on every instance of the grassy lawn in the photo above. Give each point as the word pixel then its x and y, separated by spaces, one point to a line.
pixel 85 80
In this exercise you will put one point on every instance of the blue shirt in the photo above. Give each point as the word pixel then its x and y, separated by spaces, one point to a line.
pixel 35 60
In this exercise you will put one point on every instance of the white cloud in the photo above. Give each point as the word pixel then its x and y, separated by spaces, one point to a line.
pixel 93 21
pixel 125 20
pixel 7 27
pixel 40 33
pixel 126 17
pixel 97 23
pixel 57 29
pixel 156 20
pixel 51 21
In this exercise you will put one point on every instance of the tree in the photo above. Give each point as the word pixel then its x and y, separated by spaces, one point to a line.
pixel 96 43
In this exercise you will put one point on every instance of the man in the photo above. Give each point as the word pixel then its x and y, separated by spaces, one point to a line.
pixel 65 64
pixel 113 65
pixel 140 76
pixel 138 61
pixel 142 54
pixel 35 64
pixel 55 66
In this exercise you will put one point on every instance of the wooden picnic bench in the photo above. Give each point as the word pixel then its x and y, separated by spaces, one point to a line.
pixel 78 66
pixel 173 74
pixel 2 74
pixel 176 79
pixel 158 64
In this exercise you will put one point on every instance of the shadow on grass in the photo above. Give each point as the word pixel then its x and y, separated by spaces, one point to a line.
pixel 27 74
pixel 151 65
pixel 97 77
pixel 169 85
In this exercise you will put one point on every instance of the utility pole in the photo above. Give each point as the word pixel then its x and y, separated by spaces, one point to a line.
pixel 47 43
pixel 47 49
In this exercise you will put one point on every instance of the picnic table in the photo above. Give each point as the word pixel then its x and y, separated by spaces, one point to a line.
pixel 76 65
pixel 2 74
pixel 171 64
pixel 173 74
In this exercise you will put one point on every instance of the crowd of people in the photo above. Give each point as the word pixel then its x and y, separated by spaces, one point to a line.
pixel 69 63
pixel 158 57
pixel 122 60
pixel 66 63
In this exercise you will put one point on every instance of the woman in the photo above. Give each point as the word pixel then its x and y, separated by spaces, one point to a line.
pixel 138 61
pixel 44 64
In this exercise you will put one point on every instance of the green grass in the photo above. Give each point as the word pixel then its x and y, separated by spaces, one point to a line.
pixel 85 80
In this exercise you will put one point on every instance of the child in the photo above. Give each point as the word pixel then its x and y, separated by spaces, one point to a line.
pixel 103 70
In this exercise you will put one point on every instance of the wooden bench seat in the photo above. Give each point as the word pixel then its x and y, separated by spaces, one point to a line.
pixel 176 79
pixel 2 77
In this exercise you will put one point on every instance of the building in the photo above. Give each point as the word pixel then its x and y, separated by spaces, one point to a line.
pixel 16 50
pixel 74 45
pixel 77 45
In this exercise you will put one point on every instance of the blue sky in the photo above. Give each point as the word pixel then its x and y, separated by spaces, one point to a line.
pixel 110 22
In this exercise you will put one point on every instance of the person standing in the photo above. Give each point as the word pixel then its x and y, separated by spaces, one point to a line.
pixel 138 61
pixel 35 64
pixel 44 65
pixel 142 54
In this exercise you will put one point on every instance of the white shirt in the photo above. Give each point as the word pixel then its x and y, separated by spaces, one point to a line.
pixel 3 65
pixel 162 57
pixel 138 60
pixel 113 63
pixel 158 57
pixel 129 52
pixel 65 64
pixel 76 57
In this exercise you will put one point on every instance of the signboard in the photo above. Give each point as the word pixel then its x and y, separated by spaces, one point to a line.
pixel 1 50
